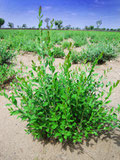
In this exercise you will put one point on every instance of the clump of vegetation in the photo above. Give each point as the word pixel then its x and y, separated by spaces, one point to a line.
pixel 79 40
pixel 57 39
pixel 5 56
pixel 29 46
pixel 65 44
pixel 75 57
pixel 6 71
pixel 6 74
pixel 93 51
pixel 1 35
pixel 68 105
pixel 58 52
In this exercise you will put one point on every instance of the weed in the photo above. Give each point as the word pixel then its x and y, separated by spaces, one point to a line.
pixel 65 44
pixel 58 52
pixel 6 73
pixel 93 51
pixel 75 57
pixel 5 56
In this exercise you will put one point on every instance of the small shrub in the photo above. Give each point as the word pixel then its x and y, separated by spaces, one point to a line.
pixel 6 74
pixel 75 57
pixel 1 35
pixel 57 39
pixel 79 41
pixel 6 71
pixel 67 105
pixel 65 44
pixel 5 56
pixel 67 36
pixel 29 46
pixel 93 51
pixel 58 52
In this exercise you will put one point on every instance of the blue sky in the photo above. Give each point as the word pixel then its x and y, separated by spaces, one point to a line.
pixel 78 13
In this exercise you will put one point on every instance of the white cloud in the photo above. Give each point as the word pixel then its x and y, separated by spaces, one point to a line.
pixel 32 11
pixel 35 11
pixel 46 8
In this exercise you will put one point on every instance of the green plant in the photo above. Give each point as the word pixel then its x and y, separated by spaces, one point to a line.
pixel 6 74
pixel 75 57
pixel 1 35
pixel 58 52
pixel 5 56
pixel 65 44
pixel 93 51
pixel 66 105
pixel 6 68
pixel 79 40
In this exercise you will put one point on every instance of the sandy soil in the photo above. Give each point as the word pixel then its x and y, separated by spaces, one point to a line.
pixel 16 145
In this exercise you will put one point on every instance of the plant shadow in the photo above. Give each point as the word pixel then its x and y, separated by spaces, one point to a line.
pixel 113 135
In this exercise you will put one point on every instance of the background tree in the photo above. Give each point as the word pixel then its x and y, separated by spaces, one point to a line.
pixel 111 29
pixel 68 27
pixel 51 23
pixel 103 29
pixel 91 28
pixel 86 27
pixel 58 24
pixel 2 21
pixel 10 24
pixel 24 26
pixel 18 26
pixel 47 20
pixel 99 23
pixel 77 28
pixel 118 29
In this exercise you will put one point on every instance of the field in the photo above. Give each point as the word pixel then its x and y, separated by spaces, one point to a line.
pixel 86 44
pixel 85 47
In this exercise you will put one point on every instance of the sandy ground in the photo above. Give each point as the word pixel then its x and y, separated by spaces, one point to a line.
pixel 16 145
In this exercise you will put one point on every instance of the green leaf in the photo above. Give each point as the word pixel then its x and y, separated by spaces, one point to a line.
pixel 61 140
pixel 107 102
pixel 45 104
pixel 40 10
pixel 9 104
